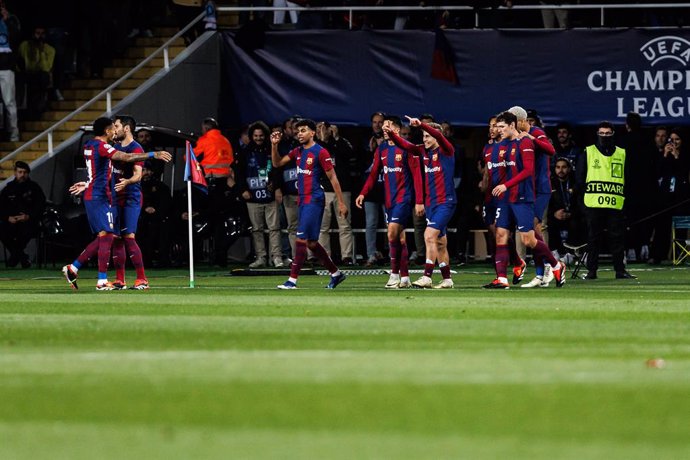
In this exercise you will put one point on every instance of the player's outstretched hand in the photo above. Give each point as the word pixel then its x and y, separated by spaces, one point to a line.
pixel 499 190
pixel 414 122
pixel 77 188
pixel 121 184
pixel 359 200
pixel 275 138
pixel 162 155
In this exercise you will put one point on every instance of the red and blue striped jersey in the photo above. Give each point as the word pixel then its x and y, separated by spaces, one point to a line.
pixel 520 171
pixel 401 175
pixel 125 170
pixel 312 163
pixel 97 156
pixel 439 166
pixel 495 159
pixel 543 151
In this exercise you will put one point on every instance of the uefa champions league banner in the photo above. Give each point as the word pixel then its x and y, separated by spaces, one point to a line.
pixel 580 76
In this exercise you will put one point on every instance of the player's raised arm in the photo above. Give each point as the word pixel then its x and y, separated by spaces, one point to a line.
pixel 276 159
pixel 371 179
pixel 444 145
pixel 403 143
pixel 134 157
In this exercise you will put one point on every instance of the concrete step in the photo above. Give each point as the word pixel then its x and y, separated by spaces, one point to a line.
pixel 165 31
pixel 157 41
pixel 8 147
pixel 133 62
pixel 27 155
pixel 89 83
pixel 86 115
pixel 58 135
pixel 40 126
pixel 75 104
pixel 117 72
pixel 145 51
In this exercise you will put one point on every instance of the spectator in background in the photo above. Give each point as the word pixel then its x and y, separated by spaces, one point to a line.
pixel 279 16
pixel 565 217
pixel 640 188
pixel 22 203
pixel 555 18
pixel 9 30
pixel 342 154
pixel 373 202
pixel 36 58
pixel 154 218
pixel 259 185
pixel 534 119
pixel 566 147
pixel 673 169
pixel 141 16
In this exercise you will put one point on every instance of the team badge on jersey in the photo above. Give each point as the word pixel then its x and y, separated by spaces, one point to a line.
pixel 434 157
pixel 398 157
pixel 310 160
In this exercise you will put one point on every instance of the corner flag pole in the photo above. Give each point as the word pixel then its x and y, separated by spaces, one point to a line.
pixel 189 222
pixel 191 244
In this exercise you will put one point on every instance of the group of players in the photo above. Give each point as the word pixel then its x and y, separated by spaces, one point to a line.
pixel 112 198
pixel 518 190
pixel 516 177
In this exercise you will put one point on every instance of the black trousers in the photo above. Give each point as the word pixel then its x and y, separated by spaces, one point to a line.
pixel 608 223
pixel 15 237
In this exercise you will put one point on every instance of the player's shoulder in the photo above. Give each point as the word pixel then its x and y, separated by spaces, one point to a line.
pixel 536 131
pixel 526 144
pixel 135 147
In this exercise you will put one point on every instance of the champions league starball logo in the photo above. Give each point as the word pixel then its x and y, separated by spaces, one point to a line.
pixel 660 92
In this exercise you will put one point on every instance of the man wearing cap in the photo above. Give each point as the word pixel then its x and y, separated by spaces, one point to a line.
pixel 21 206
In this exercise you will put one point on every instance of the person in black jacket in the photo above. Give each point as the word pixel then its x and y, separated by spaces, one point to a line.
pixel 22 203
pixel 259 185
pixel 154 218
pixel 565 214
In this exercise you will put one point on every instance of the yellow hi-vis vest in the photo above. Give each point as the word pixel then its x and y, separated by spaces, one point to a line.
pixel 605 179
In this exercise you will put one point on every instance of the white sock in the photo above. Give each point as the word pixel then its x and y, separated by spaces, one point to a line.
pixel 292 280
pixel 73 268
pixel 429 261
pixel 336 273
pixel 442 264
pixel 405 279
pixel 503 279
pixel 102 282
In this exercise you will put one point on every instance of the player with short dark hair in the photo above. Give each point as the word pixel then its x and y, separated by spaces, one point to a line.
pixel 98 199
pixel 402 178
pixel 438 156
pixel 127 182
pixel 518 189
pixel 312 162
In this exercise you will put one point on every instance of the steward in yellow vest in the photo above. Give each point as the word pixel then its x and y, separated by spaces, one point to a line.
pixel 601 177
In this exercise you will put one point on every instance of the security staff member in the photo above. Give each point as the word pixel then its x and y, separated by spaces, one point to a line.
pixel 214 152
pixel 601 177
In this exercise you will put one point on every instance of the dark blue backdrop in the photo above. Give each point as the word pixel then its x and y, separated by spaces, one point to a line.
pixel 581 76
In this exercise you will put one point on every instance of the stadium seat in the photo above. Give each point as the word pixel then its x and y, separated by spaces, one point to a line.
pixel 680 246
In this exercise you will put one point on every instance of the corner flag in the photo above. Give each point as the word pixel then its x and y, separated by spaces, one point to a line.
pixel 193 171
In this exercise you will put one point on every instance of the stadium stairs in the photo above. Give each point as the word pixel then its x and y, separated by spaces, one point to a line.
pixel 80 90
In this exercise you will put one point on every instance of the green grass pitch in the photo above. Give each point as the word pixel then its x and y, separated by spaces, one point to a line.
pixel 238 369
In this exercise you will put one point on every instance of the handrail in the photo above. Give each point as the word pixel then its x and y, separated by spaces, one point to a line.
pixel 107 92
pixel 476 9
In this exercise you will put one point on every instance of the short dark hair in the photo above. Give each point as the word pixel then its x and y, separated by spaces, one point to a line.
pixel 306 122
pixel 100 125
pixel 127 120
pixel 377 114
pixel 427 116
pixel 258 125
pixel 563 125
pixel 394 119
pixel 567 160
pixel 210 123
pixel 677 131
pixel 665 128
pixel 22 165
pixel 507 117
pixel 633 120
pixel 607 124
